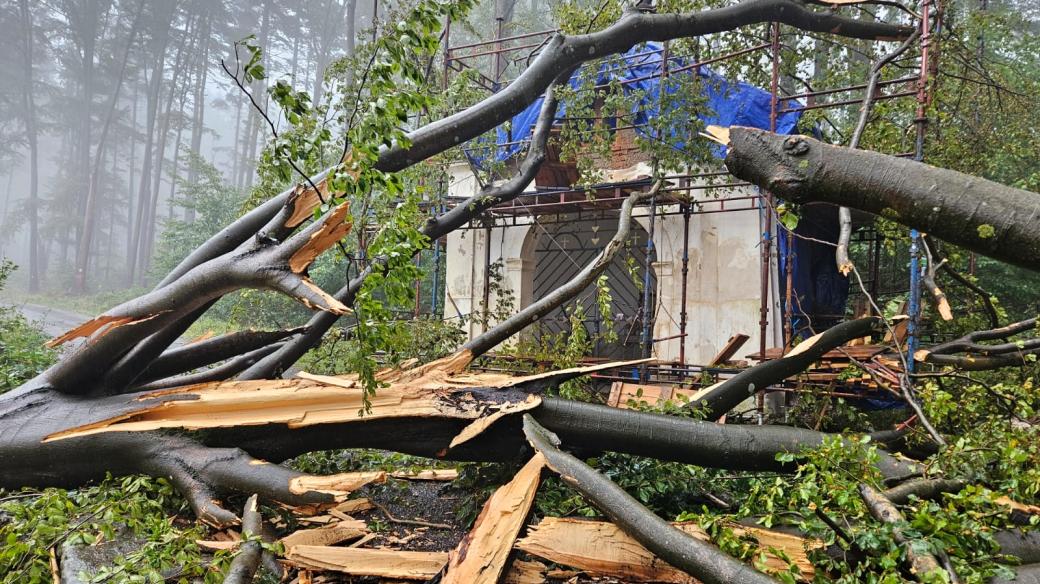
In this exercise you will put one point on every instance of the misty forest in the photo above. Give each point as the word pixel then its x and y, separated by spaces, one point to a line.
pixel 520 291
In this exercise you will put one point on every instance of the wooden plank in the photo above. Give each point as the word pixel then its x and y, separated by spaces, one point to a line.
pixel 732 346
pixel 601 548
pixel 481 556
pixel 368 562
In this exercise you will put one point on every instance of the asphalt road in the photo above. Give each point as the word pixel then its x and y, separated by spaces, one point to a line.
pixel 52 321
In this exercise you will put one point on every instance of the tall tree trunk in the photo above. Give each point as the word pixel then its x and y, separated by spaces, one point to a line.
pixel 198 124
pixel 236 157
pixel 87 25
pixel 131 163
pixel 144 257
pixel 34 155
pixel 259 90
pixel 334 12
pixel 88 226
pixel 175 159
pixel 144 195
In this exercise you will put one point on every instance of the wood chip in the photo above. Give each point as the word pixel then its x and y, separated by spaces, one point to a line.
pixel 368 562
pixel 328 535
pixel 430 474
pixel 355 506
pixel 338 485
pixel 521 572
pixel 601 548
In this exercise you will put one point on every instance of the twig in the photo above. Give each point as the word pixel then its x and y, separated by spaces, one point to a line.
pixel 418 522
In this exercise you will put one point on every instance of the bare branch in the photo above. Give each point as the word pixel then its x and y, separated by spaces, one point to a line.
pixel 529 315
pixel 700 559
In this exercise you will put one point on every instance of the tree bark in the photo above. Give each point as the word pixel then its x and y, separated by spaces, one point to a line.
pixel 980 215
pixel 700 559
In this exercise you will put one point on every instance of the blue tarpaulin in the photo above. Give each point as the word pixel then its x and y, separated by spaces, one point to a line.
pixel 639 72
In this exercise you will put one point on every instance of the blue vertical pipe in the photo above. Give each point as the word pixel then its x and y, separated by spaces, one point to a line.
pixel 436 273
pixel 915 298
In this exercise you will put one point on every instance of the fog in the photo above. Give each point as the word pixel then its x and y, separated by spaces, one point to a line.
pixel 106 101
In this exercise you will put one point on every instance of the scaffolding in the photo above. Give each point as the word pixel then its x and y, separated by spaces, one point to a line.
pixel 489 60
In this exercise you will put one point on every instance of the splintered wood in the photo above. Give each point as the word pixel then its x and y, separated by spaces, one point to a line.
pixel 368 562
pixel 521 572
pixel 602 548
pixel 317 399
pixel 306 200
pixel 430 474
pixel 333 228
pixel 295 402
pixel 338 485
pixel 96 328
pixel 481 556
pixel 327 535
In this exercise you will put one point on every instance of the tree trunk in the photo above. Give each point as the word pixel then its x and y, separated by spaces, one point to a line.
pixel 147 242
pixel 259 91
pixel 90 211
pixel 980 215
pixel 29 103
pixel 144 194
pixel 198 125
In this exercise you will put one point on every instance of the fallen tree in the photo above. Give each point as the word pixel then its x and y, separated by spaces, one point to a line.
pixel 980 215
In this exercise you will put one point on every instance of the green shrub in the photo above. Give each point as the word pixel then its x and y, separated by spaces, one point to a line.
pixel 22 353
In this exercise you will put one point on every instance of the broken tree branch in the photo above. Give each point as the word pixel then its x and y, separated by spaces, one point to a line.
pixel 126 370
pixel 435 228
pixel 700 559
pixel 922 489
pixel 596 428
pixel 984 296
pixel 980 215
pixel 196 355
pixel 247 560
pixel 922 564
pixel 264 264
pixel 928 280
pixel 981 357
pixel 221 372
pixel 726 395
